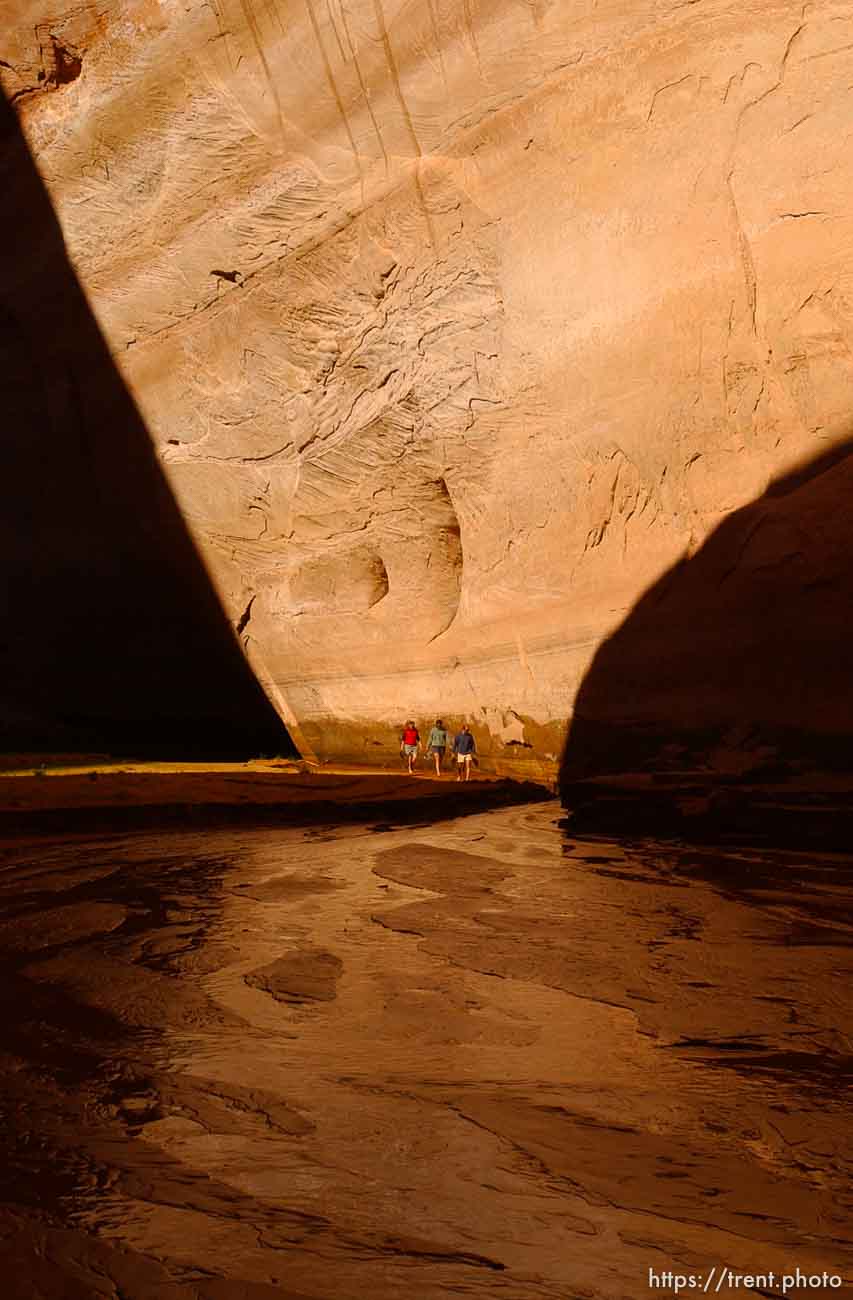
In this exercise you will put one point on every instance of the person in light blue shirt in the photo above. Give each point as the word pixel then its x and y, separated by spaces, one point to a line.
pixel 464 747
pixel 437 744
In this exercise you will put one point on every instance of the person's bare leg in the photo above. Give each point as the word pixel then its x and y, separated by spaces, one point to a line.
pixel 459 767
pixel 437 758
pixel 468 770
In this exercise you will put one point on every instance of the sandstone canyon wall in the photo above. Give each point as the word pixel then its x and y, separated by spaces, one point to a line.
pixel 456 324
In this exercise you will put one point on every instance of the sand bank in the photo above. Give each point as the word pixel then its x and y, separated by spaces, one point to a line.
pixel 277 790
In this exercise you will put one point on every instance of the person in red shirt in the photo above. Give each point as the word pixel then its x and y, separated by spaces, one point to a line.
pixel 410 745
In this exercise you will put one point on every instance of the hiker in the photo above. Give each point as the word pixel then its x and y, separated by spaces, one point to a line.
pixel 437 744
pixel 410 744
pixel 464 746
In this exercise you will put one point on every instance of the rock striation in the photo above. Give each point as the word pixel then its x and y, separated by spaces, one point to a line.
pixel 455 325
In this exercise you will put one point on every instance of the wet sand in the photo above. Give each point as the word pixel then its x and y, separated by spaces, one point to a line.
pixel 476 1057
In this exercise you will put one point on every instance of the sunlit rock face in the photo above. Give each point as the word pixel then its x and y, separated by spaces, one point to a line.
pixel 455 323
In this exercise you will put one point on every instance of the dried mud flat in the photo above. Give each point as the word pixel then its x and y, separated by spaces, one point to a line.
pixel 471 1058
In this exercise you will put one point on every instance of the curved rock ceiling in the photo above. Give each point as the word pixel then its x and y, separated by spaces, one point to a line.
pixel 455 323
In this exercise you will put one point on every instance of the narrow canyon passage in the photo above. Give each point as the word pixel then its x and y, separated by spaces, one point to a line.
pixel 475 1058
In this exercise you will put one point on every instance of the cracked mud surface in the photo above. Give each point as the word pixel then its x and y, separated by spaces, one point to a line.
pixel 477 1058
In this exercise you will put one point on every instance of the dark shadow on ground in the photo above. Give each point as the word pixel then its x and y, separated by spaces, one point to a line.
pixel 113 638
pixel 733 672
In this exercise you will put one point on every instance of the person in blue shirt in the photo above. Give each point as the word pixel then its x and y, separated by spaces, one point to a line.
pixel 464 747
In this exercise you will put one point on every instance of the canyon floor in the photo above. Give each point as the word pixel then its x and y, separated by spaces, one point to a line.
pixel 474 1056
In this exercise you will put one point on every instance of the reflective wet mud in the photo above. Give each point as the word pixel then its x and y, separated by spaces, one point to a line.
pixel 474 1058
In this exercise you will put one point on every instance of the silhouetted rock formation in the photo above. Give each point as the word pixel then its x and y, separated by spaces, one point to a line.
pixel 112 635
pixel 736 667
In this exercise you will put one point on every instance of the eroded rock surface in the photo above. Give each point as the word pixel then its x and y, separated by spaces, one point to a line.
pixel 310 975
pixel 454 324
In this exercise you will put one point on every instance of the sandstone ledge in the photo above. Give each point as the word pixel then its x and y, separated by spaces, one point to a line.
pixel 149 795
pixel 793 811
